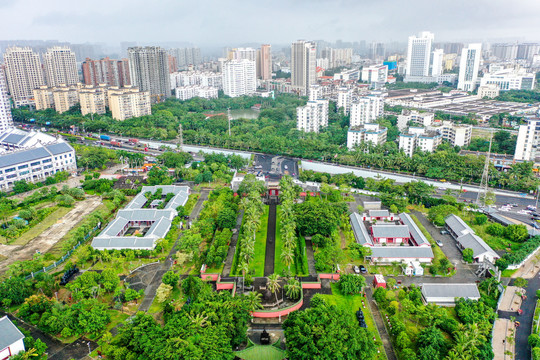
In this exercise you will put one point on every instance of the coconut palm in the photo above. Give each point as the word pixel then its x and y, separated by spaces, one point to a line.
pixel 253 300
pixel 244 268
pixel 273 284
pixel 287 256
pixel 199 319
pixel 293 289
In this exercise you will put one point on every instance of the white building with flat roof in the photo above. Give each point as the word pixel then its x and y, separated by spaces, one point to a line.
pixel 313 116
pixel 455 134
pixel 366 133
pixel 419 54
pixel 510 79
pixel 375 74
pixel 366 109
pixel 527 144
pixel 191 91
pixel 344 99
pixel 239 77
pixel 6 120
pixel 418 138
pixel 489 91
pixel 469 66
pixel 414 118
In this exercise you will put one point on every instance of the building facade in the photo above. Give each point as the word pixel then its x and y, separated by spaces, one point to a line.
pixel 455 134
pixel 510 79
pixel 367 109
pixel 93 100
pixel 23 74
pixel 129 102
pixel 264 62
pixel 200 78
pixel 527 145
pixel 303 65
pixel 186 57
pixel 373 134
pixel 149 71
pixel 60 66
pixel 239 77
pixel 61 98
pixel 419 54
pixel 489 91
pixel 106 71
pixel 419 139
pixel 375 74
pixel 414 117
pixel 6 120
pixel 191 91
pixel 469 66
pixel 313 116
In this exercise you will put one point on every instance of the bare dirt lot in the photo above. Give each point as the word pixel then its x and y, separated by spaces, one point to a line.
pixel 50 236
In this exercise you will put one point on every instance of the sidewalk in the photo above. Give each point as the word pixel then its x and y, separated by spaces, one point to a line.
pixel 385 337
pixel 502 329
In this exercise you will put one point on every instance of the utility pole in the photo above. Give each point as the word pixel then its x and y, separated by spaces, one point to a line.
pixel 484 183
pixel 229 118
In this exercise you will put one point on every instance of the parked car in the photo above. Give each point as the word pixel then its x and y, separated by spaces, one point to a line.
pixel 444 232
pixel 356 269
pixel 439 242
pixel 363 269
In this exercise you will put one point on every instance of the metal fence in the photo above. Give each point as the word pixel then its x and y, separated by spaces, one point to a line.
pixel 65 257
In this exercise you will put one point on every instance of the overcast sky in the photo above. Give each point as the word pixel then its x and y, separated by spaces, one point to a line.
pixel 233 22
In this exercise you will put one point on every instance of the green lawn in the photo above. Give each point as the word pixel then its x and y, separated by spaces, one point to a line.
pixel 279 266
pixel 508 273
pixel 351 304
pixel 42 226
pixel 261 352
pixel 257 264
pixel 496 243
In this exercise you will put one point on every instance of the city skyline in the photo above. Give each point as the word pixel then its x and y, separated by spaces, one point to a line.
pixel 204 24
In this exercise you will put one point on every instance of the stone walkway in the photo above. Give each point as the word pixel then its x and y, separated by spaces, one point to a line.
pixel 379 321
pixel 310 258
pixel 232 247
pixel 150 291
pixel 502 329
pixel 270 253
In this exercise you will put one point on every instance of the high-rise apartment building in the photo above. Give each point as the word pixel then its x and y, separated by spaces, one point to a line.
pixel 60 66
pixel 6 121
pixel 93 100
pixel 469 66
pixel 419 54
pixel 303 65
pixel 106 71
pixel 242 53
pixel 239 77
pixel 313 116
pixel 23 74
pixel 419 138
pixel 344 100
pixel 186 56
pixel 43 97
pixel 129 102
pixel 149 71
pixel 437 62
pixel 527 145
pixel 375 74
pixel 65 97
pixel 264 62
pixel 367 109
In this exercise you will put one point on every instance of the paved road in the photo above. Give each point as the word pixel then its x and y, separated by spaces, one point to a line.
pixel 150 291
pixel 270 253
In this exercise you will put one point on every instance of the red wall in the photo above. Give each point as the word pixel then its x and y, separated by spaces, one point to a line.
pixel 329 276
pixel 316 285
pixel 275 314
pixel 211 277
pixel 224 286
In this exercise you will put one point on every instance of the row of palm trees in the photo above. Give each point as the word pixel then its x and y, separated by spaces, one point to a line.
pixel 253 210
pixel 288 222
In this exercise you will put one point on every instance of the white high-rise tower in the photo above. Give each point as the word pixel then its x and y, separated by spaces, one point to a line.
pixel 60 66
pixel 419 54
pixel 6 121
pixel 23 74
pixel 468 67
pixel 239 77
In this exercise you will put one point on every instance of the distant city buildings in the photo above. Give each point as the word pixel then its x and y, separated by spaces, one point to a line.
pixel 186 57
pixel 264 62
pixel 201 78
pixel 149 71
pixel 106 71
pixel 6 120
pixel 23 73
pixel 60 66
pixel 489 91
pixel 242 53
pixel 303 65
pixel 239 77
pixel 336 57
pixel 419 54
pixel 510 79
pixel 375 74
pixel 469 66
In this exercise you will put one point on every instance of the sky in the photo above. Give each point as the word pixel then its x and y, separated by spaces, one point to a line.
pixel 236 22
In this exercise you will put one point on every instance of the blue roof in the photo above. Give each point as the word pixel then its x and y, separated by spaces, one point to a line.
pixel 13 138
pixel 59 148
pixel 37 153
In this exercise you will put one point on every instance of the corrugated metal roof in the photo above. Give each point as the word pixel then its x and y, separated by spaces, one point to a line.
pixel 390 231
pixel 359 229
pixel 10 333
pixel 416 234
pixel 405 252
pixel 450 291
pixel 128 242
pixel 457 225
pixel 501 219
pixel 477 244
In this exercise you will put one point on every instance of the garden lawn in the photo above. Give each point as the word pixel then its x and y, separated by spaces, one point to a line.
pixel 260 352
pixel 278 264
pixel 257 264
pixel 350 304
pixel 46 223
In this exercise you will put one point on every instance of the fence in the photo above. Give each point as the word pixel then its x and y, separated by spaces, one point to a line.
pixel 65 257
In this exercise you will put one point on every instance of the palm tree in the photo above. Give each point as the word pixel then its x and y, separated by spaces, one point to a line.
pixel 273 284
pixel 253 300
pixel 287 256
pixel 293 289
pixel 199 319
pixel 244 268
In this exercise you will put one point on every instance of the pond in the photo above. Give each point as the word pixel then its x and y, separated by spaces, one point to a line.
pixel 239 113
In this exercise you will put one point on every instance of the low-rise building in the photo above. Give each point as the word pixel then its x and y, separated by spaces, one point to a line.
pixel 375 74
pixel 366 109
pixel 191 91
pixel 139 225
pixel 35 164
pixel 445 294
pixel 414 118
pixel 15 139
pixel 366 133
pixel 12 339
pixel 466 238
pixel 510 79
pixel 455 134
pixel 419 139
pixel 60 98
pixel 489 91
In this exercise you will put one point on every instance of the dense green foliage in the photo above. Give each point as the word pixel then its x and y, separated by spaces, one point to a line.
pixel 503 143
pixel 326 332
pixel 524 96
pixel 318 217
pixel 350 284
pixel 519 255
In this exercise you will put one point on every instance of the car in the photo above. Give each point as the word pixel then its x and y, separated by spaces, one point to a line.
pixel 444 232
pixel 363 269
pixel 439 242
pixel 286 167
pixel 356 269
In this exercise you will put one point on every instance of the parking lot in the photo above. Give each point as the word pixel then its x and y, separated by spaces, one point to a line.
pixel 274 167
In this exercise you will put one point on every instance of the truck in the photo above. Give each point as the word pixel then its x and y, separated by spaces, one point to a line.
pixel 116 143
pixel 134 141
pixel 105 137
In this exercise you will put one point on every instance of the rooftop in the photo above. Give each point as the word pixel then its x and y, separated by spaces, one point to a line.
pixel 401 252
pixel 390 231
pixel 10 333
pixel 477 244
pixel 450 291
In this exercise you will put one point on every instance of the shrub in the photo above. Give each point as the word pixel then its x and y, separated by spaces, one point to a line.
pixel 495 229
pixel 351 284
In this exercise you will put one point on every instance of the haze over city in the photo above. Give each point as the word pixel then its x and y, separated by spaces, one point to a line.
pixel 220 23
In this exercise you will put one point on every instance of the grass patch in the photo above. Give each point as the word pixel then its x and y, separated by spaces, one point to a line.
pixel 350 304
pixel 279 266
pixel 190 204
pixel 256 266
pixel 508 273
pixel 258 352
pixel 46 223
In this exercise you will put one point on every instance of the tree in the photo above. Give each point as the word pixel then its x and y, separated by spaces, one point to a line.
pixel 468 255
pixel 517 233
pixel 327 333
pixel 520 282
pixel 319 240
pixel 431 343
pixel 192 286
pixel 226 218
pixel 163 293
pixel 253 300
pixel 170 278
pixel 350 284
pixel 495 229
pixel 480 219
pixel 131 295
pixel 293 289
pixel 273 284
pixel 65 200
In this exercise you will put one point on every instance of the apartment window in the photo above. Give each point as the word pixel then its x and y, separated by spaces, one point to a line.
pixel 10 170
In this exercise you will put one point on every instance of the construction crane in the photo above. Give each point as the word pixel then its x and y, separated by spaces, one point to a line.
pixel 484 183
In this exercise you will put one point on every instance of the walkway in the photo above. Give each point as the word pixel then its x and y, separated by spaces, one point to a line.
pixel 310 258
pixel 270 241
pixel 385 337
pixel 232 247
pixel 150 291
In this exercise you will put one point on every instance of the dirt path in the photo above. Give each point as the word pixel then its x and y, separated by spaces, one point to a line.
pixel 50 236
pixel 343 240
